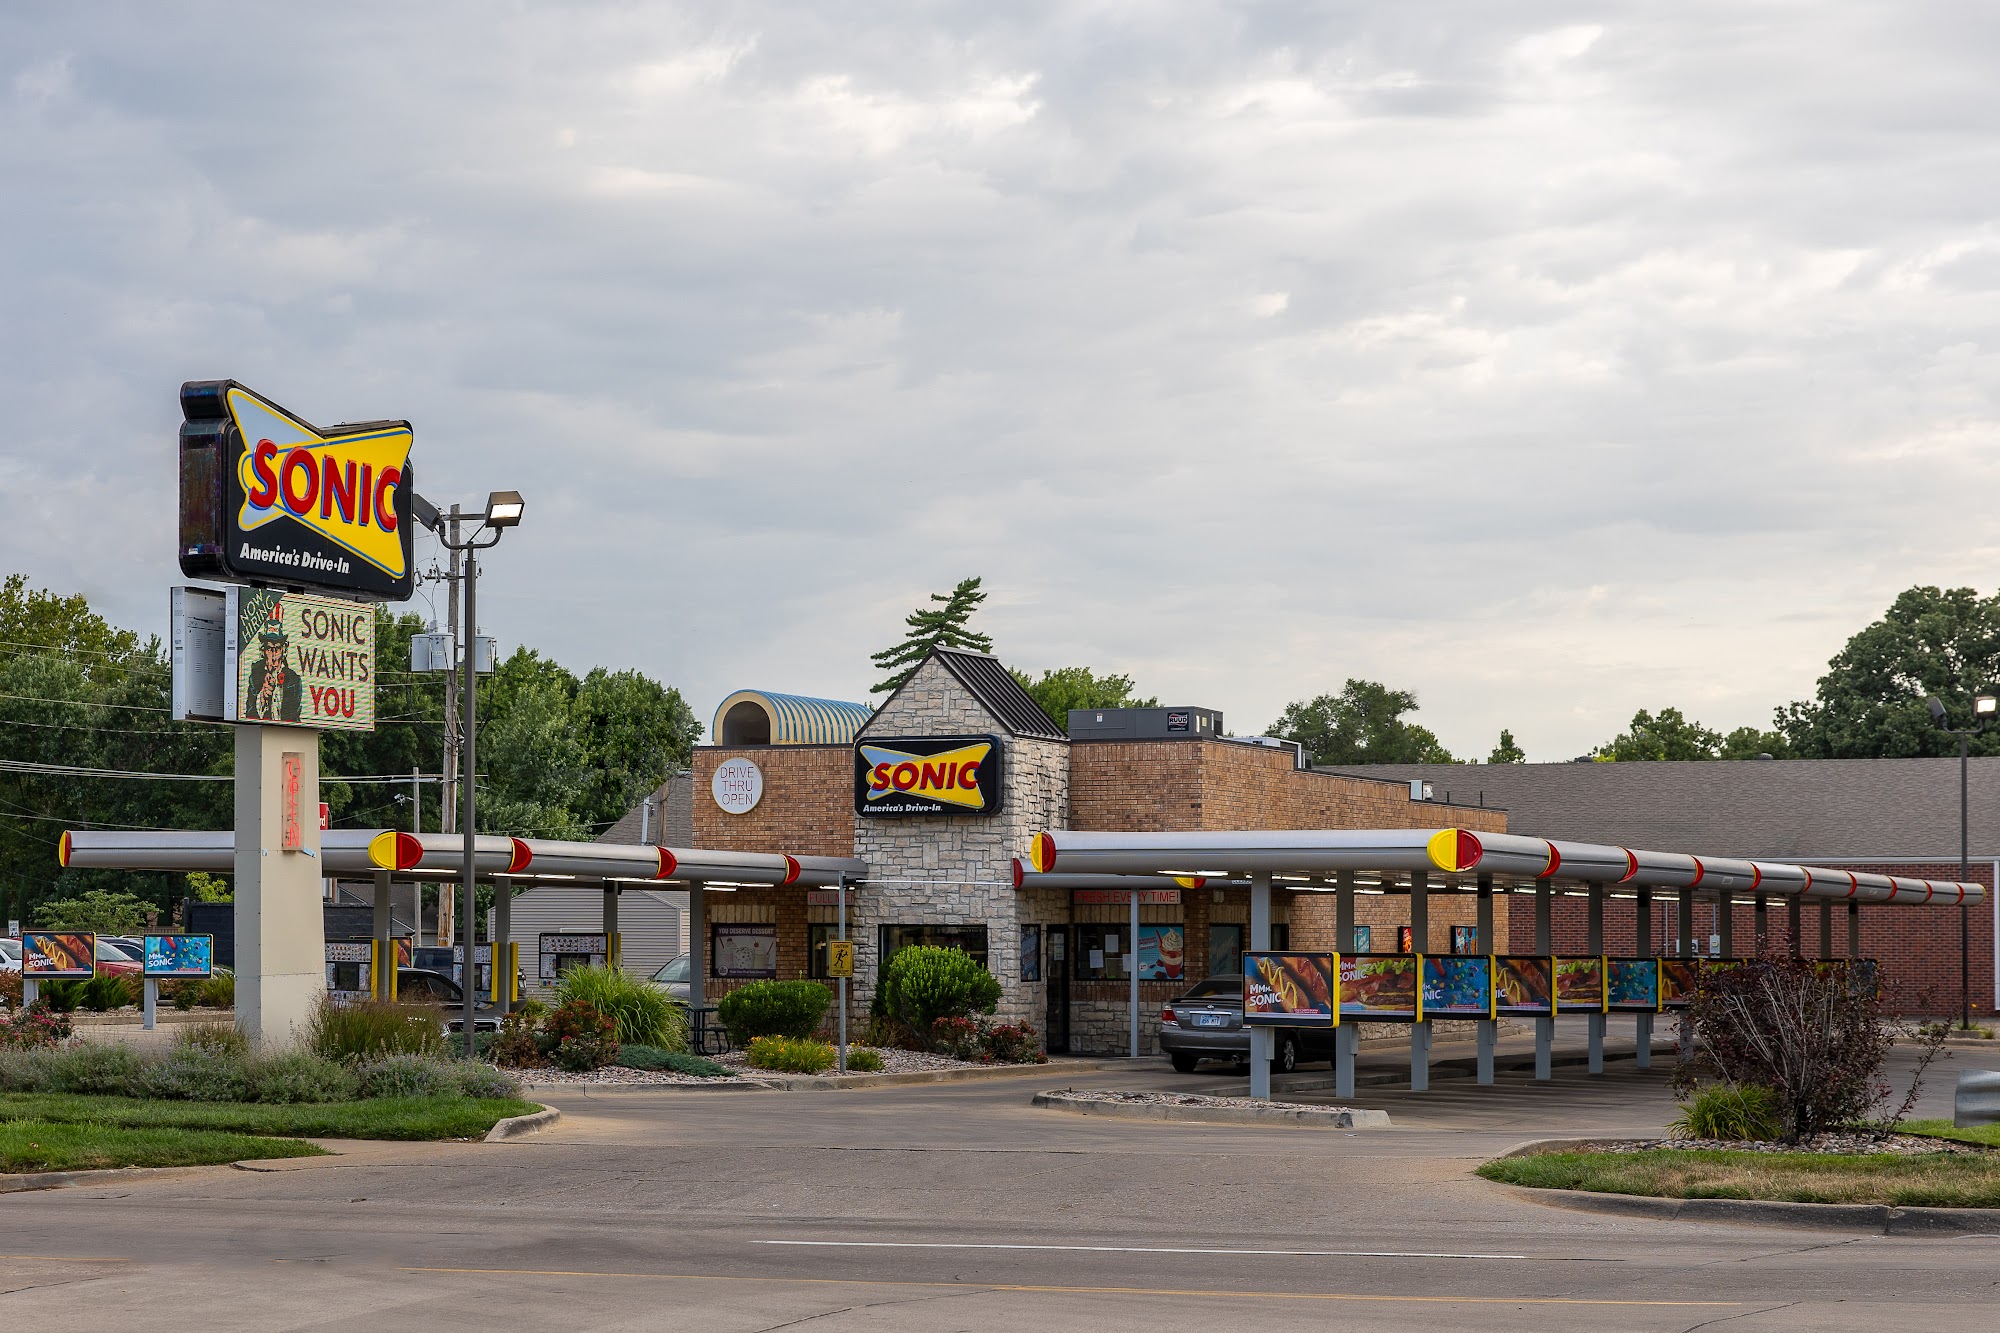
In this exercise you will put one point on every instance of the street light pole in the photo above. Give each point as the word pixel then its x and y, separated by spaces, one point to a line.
pixel 1983 707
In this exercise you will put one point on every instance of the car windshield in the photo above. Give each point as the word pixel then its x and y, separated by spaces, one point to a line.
pixel 107 952
pixel 674 972
pixel 10 949
pixel 134 952
pixel 1215 988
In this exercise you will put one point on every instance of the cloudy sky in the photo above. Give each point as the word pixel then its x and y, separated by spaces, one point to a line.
pixel 1550 360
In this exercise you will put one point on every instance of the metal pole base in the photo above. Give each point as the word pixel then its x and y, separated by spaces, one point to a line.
pixel 1597 1043
pixel 1545 1037
pixel 1487 1034
pixel 1260 1064
pixel 1345 1039
pixel 152 1003
pixel 1420 1057
pixel 1644 1046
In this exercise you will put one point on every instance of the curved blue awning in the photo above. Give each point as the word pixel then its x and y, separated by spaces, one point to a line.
pixel 796 719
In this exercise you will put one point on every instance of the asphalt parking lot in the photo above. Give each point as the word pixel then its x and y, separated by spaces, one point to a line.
pixel 959 1206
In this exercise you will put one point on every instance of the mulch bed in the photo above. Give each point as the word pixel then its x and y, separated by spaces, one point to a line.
pixel 1843 1141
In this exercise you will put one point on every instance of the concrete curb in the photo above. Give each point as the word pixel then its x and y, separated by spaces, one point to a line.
pixel 821 1082
pixel 55 1180
pixel 1453 1066
pixel 1319 1117
pixel 1873 1218
pixel 515 1126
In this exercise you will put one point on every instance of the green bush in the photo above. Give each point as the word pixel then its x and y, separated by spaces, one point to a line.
pixel 791 1055
pixel 645 1014
pixel 678 1062
pixel 198 1074
pixel 35 1027
pixel 473 1079
pixel 406 1076
pixel 107 1070
pixel 578 1038
pixel 105 992
pixel 514 1045
pixel 924 983
pixel 61 996
pixel 773 1009
pixel 864 1061
pixel 217 992
pixel 181 994
pixel 1722 1111
pixel 301 1076
pixel 214 1037
pixel 26 1070
pixel 364 1029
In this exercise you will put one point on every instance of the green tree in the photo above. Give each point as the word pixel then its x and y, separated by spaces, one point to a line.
pixel 1363 724
pixel 1665 735
pixel 106 912
pixel 1064 688
pixel 207 888
pixel 942 626
pixel 1750 743
pixel 1870 702
pixel 1506 752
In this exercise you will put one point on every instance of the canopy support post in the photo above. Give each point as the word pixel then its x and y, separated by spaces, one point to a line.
pixel 1642 1024
pixel 1594 946
pixel 1853 929
pixel 1725 923
pixel 1684 924
pixel 1346 1036
pixel 385 945
pixel 1484 945
pixel 1794 927
pixel 1826 928
pixel 1420 944
pixel 1260 938
pixel 1545 1028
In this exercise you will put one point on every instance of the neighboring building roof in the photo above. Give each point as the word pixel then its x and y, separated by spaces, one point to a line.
pixel 789 719
pixel 995 687
pixel 1849 809
pixel 672 822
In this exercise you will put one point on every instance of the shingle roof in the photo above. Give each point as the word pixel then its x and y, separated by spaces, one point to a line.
pixel 672 824
pixel 1811 808
pixel 994 686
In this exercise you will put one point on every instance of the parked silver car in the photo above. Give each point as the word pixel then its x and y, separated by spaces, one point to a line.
pixel 674 978
pixel 1207 1024
pixel 10 954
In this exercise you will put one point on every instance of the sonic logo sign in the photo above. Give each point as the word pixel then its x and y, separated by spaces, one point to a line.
pixel 267 498
pixel 927 775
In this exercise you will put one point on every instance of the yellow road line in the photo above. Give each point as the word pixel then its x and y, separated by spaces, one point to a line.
pixel 1072 1291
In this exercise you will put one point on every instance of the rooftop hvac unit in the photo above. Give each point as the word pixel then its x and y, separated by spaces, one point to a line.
pixel 1145 724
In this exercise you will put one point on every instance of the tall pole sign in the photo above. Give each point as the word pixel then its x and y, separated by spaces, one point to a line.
pixel 308 524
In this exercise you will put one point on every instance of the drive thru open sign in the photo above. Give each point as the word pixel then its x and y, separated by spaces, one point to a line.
pixel 840 958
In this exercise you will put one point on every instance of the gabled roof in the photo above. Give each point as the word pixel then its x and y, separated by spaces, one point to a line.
pixel 994 686
pixel 1782 809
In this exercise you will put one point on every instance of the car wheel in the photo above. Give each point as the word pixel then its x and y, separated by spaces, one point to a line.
pixel 1285 1059
pixel 1184 1064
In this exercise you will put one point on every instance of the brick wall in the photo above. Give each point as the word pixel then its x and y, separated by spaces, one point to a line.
pixel 1918 946
pixel 807 808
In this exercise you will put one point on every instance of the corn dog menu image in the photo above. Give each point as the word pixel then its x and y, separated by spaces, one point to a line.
pixel 1292 989
pixel 1458 985
pixel 1580 985
pixel 49 955
pixel 1632 985
pixel 1524 984
pixel 1676 982
pixel 1380 985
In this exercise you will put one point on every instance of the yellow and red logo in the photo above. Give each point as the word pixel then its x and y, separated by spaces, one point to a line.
pixel 951 777
pixel 342 487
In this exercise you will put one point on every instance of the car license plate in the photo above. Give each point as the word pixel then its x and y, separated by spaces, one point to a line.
pixel 1211 1020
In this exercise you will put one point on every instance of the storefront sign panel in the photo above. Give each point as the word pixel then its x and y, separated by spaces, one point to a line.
pixel 1677 982
pixel 561 950
pixel 737 786
pixel 1580 985
pixel 745 950
pixel 179 955
pixel 266 498
pixel 1162 953
pixel 1525 984
pixel 1289 989
pixel 1123 897
pixel 295 658
pixel 927 775
pixel 1380 986
pixel 1632 985
pixel 54 955
pixel 1458 986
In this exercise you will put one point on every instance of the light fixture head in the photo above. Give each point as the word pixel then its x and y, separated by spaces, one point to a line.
pixel 503 509
pixel 1936 705
pixel 1986 705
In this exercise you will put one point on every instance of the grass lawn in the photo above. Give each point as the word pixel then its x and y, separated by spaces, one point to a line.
pixel 380 1118
pixel 38 1145
pixel 1943 1129
pixel 1942 1180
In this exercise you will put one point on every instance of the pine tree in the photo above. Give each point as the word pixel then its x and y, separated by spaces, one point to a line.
pixel 941 627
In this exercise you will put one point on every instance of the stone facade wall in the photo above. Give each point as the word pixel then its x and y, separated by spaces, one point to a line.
pixel 958 869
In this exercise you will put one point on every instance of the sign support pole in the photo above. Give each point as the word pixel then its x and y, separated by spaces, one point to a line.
pixel 280 927
pixel 1488 1029
pixel 1260 938
pixel 1132 971
pixel 840 891
pixel 152 1003
pixel 1643 1024
pixel 1420 944
pixel 1346 1036
pixel 1594 946
pixel 1545 1028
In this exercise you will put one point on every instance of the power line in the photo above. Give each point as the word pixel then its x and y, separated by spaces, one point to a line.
pixel 71 771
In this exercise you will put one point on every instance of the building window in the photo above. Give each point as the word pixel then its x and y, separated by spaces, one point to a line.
pixel 1031 953
pixel 971 939
pixel 817 937
pixel 1225 951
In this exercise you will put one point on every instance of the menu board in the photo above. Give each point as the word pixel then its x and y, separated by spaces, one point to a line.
pixel 52 955
pixel 1289 989
pixel 1677 982
pixel 1525 984
pixel 1457 985
pixel 1632 985
pixel 1580 985
pixel 179 955
pixel 1380 986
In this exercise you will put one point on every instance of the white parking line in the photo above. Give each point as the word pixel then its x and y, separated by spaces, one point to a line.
pixel 1133 1249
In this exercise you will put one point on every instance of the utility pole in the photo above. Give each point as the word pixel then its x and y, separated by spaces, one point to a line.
pixel 452 739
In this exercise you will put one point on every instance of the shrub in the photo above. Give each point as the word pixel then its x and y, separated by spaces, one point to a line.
pixel 791 1055
pixel 214 1037
pixel 1751 1114
pixel 104 992
pixel 514 1046
pixel 678 1062
pixel 892 1033
pixel 1011 1044
pixel 93 1070
pixel 106 911
pixel 23 1070
pixel 60 996
pixel 956 1037
pixel 406 1075
pixel 217 992
pixel 301 1076
pixel 645 1015
pixel 10 989
pixel 864 1061
pixel 924 983
pixel 479 1080
pixel 181 994
pixel 36 1027
pixel 579 1038
pixel 1795 1026
pixel 364 1029
pixel 198 1074
pixel 773 1009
